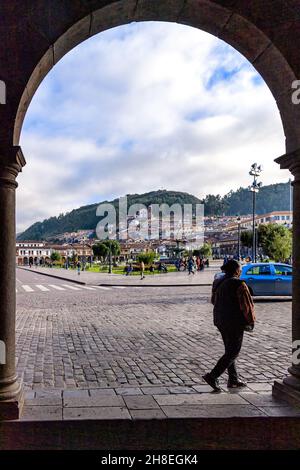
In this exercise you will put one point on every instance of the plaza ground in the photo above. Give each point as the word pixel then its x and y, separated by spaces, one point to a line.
pixel 125 363
pixel 72 336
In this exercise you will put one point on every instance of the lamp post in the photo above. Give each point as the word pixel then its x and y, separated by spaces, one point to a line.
pixel 239 237
pixel 256 241
pixel 110 264
pixel 255 171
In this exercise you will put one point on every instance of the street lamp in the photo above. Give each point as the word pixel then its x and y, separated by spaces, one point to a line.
pixel 256 240
pixel 110 263
pixel 255 171
pixel 239 237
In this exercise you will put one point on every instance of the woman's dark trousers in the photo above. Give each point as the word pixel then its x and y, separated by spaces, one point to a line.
pixel 233 340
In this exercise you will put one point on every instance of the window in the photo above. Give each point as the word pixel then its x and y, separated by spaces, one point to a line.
pixel 263 270
pixel 283 270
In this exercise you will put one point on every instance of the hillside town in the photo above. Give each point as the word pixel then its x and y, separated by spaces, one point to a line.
pixel 222 233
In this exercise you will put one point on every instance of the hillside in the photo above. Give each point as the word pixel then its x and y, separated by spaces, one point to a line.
pixel 275 197
pixel 85 217
pixel 271 198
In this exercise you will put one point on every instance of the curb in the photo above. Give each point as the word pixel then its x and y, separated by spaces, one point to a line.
pixel 155 285
pixel 53 275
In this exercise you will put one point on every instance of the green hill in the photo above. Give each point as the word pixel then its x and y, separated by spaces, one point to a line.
pixel 275 197
pixel 85 217
pixel 270 198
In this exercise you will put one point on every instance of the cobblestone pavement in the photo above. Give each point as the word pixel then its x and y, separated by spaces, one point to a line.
pixel 138 337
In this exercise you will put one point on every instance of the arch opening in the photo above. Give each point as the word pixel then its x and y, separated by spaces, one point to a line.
pixel 217 20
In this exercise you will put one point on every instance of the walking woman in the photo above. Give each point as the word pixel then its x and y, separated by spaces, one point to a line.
pixel 233 314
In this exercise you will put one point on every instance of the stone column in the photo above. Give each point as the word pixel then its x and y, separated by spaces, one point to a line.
pixel 10 389
pixel 289 389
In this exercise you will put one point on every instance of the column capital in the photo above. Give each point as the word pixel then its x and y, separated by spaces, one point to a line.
pixel 290 161
pixel 12 165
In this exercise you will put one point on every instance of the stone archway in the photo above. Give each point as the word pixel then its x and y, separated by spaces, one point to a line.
pixel 36 36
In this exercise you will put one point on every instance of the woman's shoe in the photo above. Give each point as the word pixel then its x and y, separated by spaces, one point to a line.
pixel 214 383
pixel 236 384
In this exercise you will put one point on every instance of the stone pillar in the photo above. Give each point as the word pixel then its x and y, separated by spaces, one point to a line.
pixel 289 389
pixel 10 389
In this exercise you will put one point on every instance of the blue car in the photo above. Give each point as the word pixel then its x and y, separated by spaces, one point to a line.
pixel 268 278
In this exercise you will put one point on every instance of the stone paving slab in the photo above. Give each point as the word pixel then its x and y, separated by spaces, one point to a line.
pixel 51 401
pixel 42 413
pixel 216 411
pixel 200 399
pixel 129 391
pixel 257 387
pixel 101 392
pixel 155 390
pixel 150 407
pixel 265 399
pixel 147 414
pixel 67 394
pixel 99 401
pixel 141 403
pixel 202 388
pixel 93 413
pixel 280 411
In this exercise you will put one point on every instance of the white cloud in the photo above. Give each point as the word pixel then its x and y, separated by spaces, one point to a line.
pixel 142 107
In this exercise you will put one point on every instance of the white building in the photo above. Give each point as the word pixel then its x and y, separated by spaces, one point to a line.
pixel 32 253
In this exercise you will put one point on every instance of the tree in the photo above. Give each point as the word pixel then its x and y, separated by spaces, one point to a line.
pixel 55 256
pixel 113 246
pixel 214 205
pixel 147 258
pixel 206 250
pixel 246 238
pixel 100 250
pixel 276 241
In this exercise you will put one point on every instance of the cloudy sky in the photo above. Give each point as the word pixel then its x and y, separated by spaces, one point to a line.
pixel 143 107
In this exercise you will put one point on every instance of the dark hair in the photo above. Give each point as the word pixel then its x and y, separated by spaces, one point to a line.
pixel 232 267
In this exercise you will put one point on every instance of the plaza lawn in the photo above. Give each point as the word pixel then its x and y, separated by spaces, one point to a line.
pixel 115 270
pixel 120 270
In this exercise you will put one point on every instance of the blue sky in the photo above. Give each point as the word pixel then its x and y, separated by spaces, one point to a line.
pixel 143 107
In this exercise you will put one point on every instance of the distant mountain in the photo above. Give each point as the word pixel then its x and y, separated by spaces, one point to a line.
pixel 85 217
pixel 275 197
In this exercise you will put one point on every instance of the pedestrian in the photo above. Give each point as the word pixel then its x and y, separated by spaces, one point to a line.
pixel 142 269
pixel 233 314
pixel 128 269
pixel 151 269
pixel 78 268
pixel 221 274
pixel 191 266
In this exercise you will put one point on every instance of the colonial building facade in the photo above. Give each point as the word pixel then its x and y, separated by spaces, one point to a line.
pixel 39 253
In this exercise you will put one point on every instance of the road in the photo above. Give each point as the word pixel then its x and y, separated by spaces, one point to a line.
pixel 71 336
